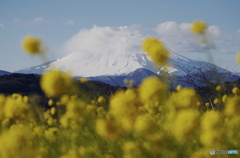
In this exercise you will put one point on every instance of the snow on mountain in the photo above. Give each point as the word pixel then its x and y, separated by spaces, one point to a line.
pixel 112 62
pixel 181 65
pixel 88 64
pixel 39 69
pixel 112 51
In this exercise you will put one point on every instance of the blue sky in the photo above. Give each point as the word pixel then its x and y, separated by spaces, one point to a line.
pixel 57 21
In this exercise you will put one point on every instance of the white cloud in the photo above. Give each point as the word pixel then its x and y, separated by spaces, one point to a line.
pixel 69 22
pixel 104 50
pixel 101 38
pixel 2 26
pixel 178 37
pixel 38 20
pixel 34 21
pixel 214 31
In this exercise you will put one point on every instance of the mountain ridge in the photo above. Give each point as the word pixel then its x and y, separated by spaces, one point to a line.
pixel 2 72
pixel 120 66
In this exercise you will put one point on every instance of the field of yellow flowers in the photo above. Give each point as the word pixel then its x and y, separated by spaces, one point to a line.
pixel 143 122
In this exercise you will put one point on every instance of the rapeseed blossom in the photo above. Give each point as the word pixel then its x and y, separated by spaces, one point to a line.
pixel 199 27
pixel 55 83
pixel 184 98
pixel 238 58
pixel 156 50
pixel 83 80
pixel 152 90
pixel 235 90
pixel 124 108
pixel 232 107
pixel 143 124
pixel 101 99
pixel 219 88
pixel 107 129
pixel 211 124
pixel 185 124
pixel 32 45
pixel 145 121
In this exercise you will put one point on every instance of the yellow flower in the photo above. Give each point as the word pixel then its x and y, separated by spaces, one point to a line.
pixel 235 90
pixel 25 99
pixel 232 107
pixel 156 50
pixel 53 110
pixel 15 109
pixel 224 98
pixel 143 124
pixel 55 83
pixel 73 153
pixel 201 153
pixel 238 57
pixel 50 102
pixel 83 80
pixel 211 132
pixel 17 142
pixel 216 100
pixel 32 45
pixel 131 149
pixel 207 104
pixel 152 90
pixel 219 88
pixel 123 103
pixel 211 120
pixel 76 110
pixel 106 129
pixel 124 107
pixel 184 98
pixel 210 137
pixel 51 133
pixel 185 124
pixel 199 27
pixel 179 87
pixel 101 99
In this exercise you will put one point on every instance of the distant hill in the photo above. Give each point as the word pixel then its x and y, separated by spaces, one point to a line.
pixel 2 72
pixel 138 75
pixel 28 84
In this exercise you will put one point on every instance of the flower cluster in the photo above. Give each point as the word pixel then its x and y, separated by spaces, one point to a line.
pixel 145 121
pixel 33 45
pixel 199 27
pixel 156 50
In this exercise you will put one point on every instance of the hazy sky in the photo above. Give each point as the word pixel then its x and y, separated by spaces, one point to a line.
pixel 60 22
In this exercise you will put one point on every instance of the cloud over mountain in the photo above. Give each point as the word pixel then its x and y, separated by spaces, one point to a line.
pixel 178 38
pixel 104 50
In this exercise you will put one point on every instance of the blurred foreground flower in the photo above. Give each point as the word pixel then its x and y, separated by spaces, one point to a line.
pixel 55 83
pixel 238 57
pixel 156 50
pixel 199 27
pixel 32 45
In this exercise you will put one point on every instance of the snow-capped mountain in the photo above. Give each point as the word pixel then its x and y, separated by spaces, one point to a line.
pixel 86 64
pixel 135 66
pixel 39 69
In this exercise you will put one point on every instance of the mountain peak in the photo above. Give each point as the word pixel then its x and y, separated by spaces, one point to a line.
pixel 114 63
